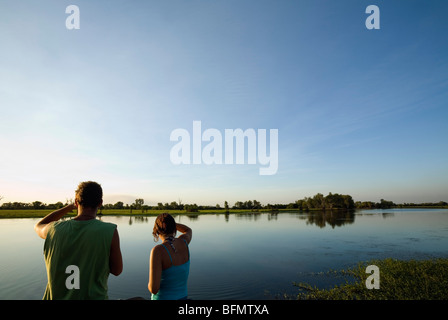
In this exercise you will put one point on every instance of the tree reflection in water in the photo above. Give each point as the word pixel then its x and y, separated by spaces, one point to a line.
pixel 334 218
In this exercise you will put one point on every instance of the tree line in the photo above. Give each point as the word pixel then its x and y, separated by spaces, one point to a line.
pixel 318 201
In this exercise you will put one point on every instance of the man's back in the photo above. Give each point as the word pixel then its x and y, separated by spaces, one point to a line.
pixel 77 259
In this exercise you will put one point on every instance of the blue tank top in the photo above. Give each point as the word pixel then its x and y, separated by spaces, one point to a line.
pixel 173 284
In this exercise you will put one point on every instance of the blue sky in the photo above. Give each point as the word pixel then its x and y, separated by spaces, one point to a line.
pixel 359 112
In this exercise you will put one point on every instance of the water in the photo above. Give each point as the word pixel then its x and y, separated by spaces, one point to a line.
pixel 241 256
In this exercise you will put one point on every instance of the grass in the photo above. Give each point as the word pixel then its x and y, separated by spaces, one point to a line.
pixel 399 280
pixel 39 213
pixel 23 213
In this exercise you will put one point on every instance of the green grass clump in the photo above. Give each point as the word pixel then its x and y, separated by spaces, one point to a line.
pixel 399 280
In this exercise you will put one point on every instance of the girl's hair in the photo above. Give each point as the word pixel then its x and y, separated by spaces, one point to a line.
pixel 164 225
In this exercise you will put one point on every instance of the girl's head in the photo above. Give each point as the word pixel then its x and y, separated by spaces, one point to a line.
pixel 164 225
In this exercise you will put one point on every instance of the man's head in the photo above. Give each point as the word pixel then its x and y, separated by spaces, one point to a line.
pixel 89 195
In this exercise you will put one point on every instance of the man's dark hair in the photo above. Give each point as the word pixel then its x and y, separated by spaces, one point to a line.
pixel 89 194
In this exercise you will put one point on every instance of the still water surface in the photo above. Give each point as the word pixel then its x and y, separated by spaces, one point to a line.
pixel 241 256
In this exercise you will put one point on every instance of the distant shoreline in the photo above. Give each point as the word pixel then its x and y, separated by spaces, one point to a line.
pixel 40 213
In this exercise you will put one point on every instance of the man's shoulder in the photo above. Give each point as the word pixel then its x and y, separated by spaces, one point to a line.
pixel 59 223
pixel 105 225
pixel 94 223
pixel 110 224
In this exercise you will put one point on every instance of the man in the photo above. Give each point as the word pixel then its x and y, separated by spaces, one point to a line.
pixel 80 252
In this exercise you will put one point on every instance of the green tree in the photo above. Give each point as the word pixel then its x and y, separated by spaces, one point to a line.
pixel 191 208
pixel 118 205
pixel 38 205
pixel 348 201
pixel 319 201
pixel 384 204
pixel 174 205
pixel 309 203
pixel 239 205
pixel 138 203
pixel 300 204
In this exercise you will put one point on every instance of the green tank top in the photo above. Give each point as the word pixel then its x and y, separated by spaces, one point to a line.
pixel 77 259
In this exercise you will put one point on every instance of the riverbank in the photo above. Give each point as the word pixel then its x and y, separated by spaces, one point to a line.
pixel 397 280
pixel 40 213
